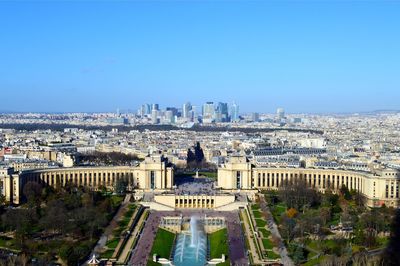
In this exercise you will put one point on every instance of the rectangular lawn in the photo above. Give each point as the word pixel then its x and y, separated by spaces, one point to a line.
pixel 257 214
pixel 272 255
pixel 163 243
pixel 265 232
pixel 112 244
pixel 267 243
pixel 261 223
pixel 218 243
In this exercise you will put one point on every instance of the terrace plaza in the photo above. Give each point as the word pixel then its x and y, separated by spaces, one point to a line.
pixel 155 175
pixel 227 200
pixel 191 211
pixel 174 211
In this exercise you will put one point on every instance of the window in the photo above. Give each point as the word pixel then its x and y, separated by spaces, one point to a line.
pixel 263 180
pixel 238 179
pixel 152 180
pixel 387 190
pixel 391 190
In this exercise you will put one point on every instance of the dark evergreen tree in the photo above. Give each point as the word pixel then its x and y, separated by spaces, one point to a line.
pixel 391 255
pixel 198 152
pixel 190 157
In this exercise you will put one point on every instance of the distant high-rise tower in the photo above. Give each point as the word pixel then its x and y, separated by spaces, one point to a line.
pixel 186 108
pixel 221 113
pixel 169 116
pixel 234 112
pixel 155 106
pixel 208 110
pixel 280 113
pixel 154 116
pixel 147 109
pixel 144 110
pixel 255 117
pixel 193 112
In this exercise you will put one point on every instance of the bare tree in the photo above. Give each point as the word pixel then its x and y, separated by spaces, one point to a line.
pixel 296 194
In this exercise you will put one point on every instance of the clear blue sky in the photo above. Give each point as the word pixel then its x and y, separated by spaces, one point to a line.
pixel 312 56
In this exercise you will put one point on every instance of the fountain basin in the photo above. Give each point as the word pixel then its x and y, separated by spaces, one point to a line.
pixel 191 246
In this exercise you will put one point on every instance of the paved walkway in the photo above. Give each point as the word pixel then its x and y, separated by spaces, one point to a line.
pixel 249 234
pixel 111 226
pixel 132 237
pixel 237 249
pixel 286 260
pixel 142 250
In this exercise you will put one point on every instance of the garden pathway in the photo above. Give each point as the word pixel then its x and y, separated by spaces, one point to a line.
pixel 286 260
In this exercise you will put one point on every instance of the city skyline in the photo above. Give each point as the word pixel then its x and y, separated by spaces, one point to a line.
pixel 307 57
pixel 138 132
pixel 271 111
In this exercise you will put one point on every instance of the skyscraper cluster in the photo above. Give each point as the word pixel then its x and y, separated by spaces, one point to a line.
pixel 211 112
pixel 220 112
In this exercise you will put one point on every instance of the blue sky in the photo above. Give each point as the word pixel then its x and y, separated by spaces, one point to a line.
pixel 312 56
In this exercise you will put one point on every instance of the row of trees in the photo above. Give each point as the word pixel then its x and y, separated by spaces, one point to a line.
pixel 391 256
pixel 64 223
pixel 297 194
pixel 107 158
pixel 61 127
pixel 310 213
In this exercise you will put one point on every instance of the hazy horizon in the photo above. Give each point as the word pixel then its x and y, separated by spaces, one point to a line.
pixel 122 112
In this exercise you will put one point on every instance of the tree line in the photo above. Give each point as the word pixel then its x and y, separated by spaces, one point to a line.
pixel 309 215
pixel 126 128
pixel 58 223
pixel 106 158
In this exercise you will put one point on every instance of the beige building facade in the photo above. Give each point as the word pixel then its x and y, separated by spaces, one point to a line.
pixel 194 201
pixel 154 173
pixel 381 187
pixel 151 174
